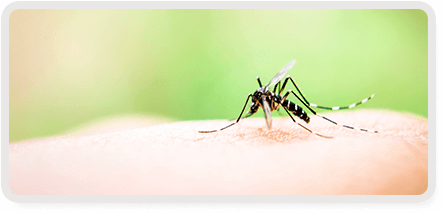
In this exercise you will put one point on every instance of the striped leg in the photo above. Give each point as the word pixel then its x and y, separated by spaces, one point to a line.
pixel 285 97
pixel 253 109
pixel 322 107
pixel 248 114
pixel 320 135
pixel 331 121
pixel 279 91
pixel 339 108
pixel 294 84
pixel 307 104
pixel 237 120
pixel 292 107
pixel 346 126
pixel 278 85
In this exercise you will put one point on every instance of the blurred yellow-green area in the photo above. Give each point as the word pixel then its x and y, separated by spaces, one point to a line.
pixel 68 67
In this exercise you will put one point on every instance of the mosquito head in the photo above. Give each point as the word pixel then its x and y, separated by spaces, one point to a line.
pixel 258 93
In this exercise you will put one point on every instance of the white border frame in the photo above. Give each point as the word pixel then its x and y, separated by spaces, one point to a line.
pixel 219 198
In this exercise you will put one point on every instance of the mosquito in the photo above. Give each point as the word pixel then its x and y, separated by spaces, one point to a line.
pixel 272 100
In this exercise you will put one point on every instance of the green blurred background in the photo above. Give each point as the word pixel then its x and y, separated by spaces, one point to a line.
pixel 68 67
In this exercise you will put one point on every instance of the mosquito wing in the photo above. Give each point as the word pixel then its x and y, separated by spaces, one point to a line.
pixel 267 112
pixel 281 74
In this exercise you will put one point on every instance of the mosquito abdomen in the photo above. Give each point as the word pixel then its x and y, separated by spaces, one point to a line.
pixel 296 110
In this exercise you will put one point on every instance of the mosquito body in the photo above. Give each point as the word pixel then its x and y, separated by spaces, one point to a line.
pixel 271 100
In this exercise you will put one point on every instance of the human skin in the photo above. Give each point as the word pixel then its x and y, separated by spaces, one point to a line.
pixel 245 159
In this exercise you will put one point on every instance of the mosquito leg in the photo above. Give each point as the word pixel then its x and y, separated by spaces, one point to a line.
pixel 320 135
pixel 237 120
pixel 274 91
pixel 283 85
pixel 294 84
pixel 282 100
pixel 307 104
pixel 325 107
pixel 325 118
pixel 335 108
pixel 253 110
pixel 248 114
pixel 288 104
pixel 293 108
pixel 274 88
pixel 279 87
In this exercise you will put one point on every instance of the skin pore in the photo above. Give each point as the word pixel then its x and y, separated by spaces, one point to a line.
pixel 145 158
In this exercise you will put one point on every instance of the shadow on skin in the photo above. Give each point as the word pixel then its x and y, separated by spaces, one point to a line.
pixel 247 158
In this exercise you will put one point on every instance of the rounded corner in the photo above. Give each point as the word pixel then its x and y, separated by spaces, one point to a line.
pixel 427 9
pixel 428 194
pixel 7 192
pixel 9 9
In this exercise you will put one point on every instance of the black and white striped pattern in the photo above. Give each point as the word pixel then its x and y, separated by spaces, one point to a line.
pixel 270 101
pixel 305 102
pixel 335 108
pixel 346 126
pixel 296 110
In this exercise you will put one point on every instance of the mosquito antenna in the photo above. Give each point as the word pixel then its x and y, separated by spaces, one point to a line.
pixel 259 81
